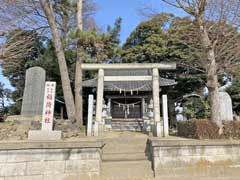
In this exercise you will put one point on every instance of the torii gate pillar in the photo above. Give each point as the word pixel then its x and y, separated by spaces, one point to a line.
pixel 99 105
pixel 156 102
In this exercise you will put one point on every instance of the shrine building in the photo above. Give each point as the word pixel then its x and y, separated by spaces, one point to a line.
pixel 128 98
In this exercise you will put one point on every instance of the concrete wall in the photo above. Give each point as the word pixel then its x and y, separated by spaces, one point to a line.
pixel 181 156
pixel 50 161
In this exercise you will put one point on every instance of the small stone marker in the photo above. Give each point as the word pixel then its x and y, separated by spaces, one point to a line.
pixel 226 106
pixel 48 106
pixel 90 115
pixel 47 133
pixel 33 92
pixel 165 115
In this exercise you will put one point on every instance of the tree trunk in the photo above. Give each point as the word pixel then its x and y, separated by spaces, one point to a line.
pixel 212 84
pixel 67 91
pixel 78 70
pixel 212 78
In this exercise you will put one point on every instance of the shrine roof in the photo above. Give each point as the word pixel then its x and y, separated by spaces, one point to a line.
pixel 129 85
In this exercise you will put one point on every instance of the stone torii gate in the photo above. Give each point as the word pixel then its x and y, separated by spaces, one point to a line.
pixel 155 67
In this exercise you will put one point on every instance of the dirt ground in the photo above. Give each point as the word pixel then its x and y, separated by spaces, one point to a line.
pixel 18 130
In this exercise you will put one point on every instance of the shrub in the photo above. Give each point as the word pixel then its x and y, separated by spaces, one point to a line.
pixel 231 129
pixel 206 129
pixel 196 107
pixel 198 129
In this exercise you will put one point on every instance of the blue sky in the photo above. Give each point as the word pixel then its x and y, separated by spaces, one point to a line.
pixel 128 10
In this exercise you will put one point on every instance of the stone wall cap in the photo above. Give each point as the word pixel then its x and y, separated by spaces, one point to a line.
pixel 170 143
pixel 60 144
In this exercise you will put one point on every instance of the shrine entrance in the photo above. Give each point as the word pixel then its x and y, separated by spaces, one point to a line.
pixel 128 98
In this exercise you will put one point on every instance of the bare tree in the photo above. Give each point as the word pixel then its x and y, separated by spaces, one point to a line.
pixel 67 91
pixel 21 14
pixel 41 16
pixel 37 16
pixel 16 47
pixel 78 71
pixel 211 15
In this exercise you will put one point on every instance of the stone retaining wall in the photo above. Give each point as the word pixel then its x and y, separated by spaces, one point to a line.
pixel 50 160
pixel 191 155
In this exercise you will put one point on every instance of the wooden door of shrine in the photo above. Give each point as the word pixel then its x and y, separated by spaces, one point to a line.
pixel 129 108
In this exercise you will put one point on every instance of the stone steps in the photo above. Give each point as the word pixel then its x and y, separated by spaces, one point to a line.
pixel 124 125
pixel 135 156
pixel 140 170
pixel 125 158
pixel 125 146
pixel 128 150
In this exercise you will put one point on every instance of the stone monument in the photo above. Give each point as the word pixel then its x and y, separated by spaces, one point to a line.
pixel 47 133
pixel 226 106
pixel 32 104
